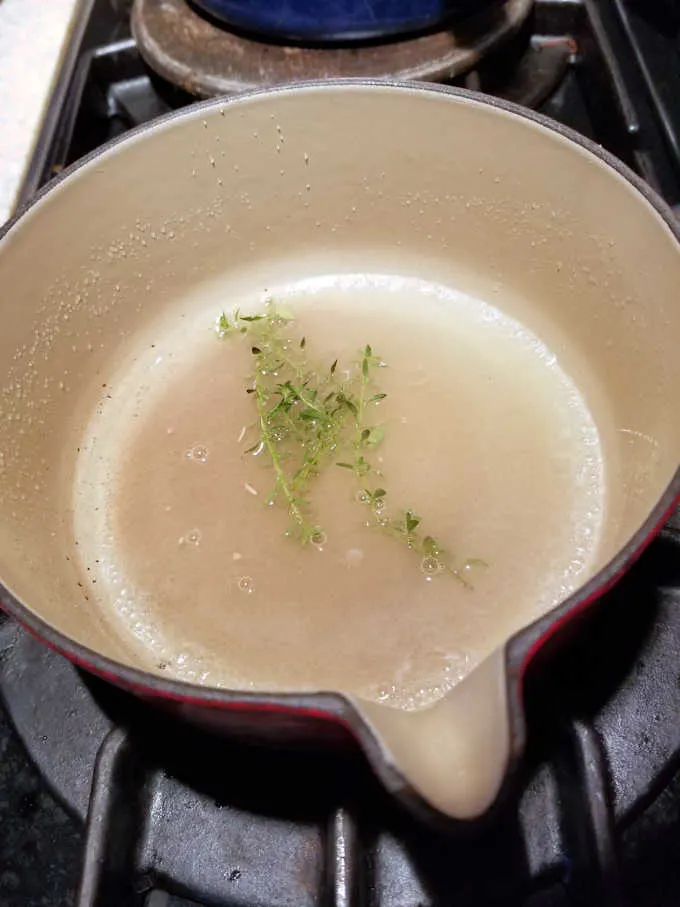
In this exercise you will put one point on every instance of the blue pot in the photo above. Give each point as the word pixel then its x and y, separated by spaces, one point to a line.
pixel 335 20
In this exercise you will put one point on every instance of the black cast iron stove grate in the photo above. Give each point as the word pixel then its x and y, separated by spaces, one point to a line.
pixel 176 818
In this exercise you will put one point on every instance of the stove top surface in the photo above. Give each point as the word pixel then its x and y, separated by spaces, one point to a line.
pixel 96 795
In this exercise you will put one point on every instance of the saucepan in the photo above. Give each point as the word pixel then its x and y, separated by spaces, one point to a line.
pixel 433 184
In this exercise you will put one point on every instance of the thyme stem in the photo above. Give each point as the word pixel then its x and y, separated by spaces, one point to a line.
pixel 281 478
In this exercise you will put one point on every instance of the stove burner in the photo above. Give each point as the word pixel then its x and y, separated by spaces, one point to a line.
pixel 205 60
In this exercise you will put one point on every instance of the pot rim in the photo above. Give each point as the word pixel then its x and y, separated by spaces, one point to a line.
pixel 519 649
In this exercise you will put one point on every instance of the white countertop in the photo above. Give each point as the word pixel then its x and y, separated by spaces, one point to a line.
pixel 33 34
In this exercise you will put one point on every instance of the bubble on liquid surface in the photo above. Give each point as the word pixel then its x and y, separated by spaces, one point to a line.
pixel 319 539
pixel 386 693
pixel 280 432
pixel 245 585
pixel 430 566
pixel 198 453
pixel 193 537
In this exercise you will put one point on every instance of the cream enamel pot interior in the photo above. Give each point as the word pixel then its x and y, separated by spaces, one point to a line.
pixel 586 255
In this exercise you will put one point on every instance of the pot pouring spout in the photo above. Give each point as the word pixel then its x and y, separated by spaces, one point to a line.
pixel 454 754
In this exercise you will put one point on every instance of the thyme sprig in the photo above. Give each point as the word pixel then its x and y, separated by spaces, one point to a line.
pixel 403 525
pixel 302 411
pixel 308 415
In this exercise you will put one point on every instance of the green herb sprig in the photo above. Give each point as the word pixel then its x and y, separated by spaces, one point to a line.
pixel 307 415
pixel 302 411
pixel 404 526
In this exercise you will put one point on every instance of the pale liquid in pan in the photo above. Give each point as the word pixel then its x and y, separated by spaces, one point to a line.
pixel 485 438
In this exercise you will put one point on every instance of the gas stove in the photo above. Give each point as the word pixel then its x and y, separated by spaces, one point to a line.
pixel 101 806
